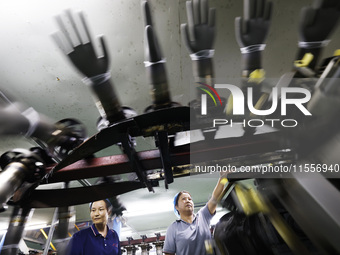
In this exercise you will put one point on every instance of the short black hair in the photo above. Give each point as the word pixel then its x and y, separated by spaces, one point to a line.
pixel 107 203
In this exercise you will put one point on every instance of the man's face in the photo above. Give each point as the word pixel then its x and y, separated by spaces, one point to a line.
pixel 185 204
pixel 99 213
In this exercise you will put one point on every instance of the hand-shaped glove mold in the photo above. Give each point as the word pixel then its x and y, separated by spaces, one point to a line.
pixel 155 63
pixel 316 25
pixel 79 49
pixel 251 32
pixel 199 35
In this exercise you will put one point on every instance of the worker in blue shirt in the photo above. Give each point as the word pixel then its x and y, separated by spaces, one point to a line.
pixel 98 239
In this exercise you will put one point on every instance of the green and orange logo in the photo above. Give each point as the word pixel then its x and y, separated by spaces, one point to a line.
pixel 204 97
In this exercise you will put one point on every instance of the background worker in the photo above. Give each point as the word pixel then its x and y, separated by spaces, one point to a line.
pixel 98 239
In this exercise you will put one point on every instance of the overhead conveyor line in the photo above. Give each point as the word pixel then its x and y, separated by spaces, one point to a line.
pixel 221 149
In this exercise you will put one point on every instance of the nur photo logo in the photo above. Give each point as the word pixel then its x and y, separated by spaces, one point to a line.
pixel 281 98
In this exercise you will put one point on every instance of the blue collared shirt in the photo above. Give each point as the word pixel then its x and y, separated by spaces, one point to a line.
pixel 89 242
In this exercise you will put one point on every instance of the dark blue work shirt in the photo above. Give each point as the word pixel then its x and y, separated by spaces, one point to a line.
pixel 90 242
